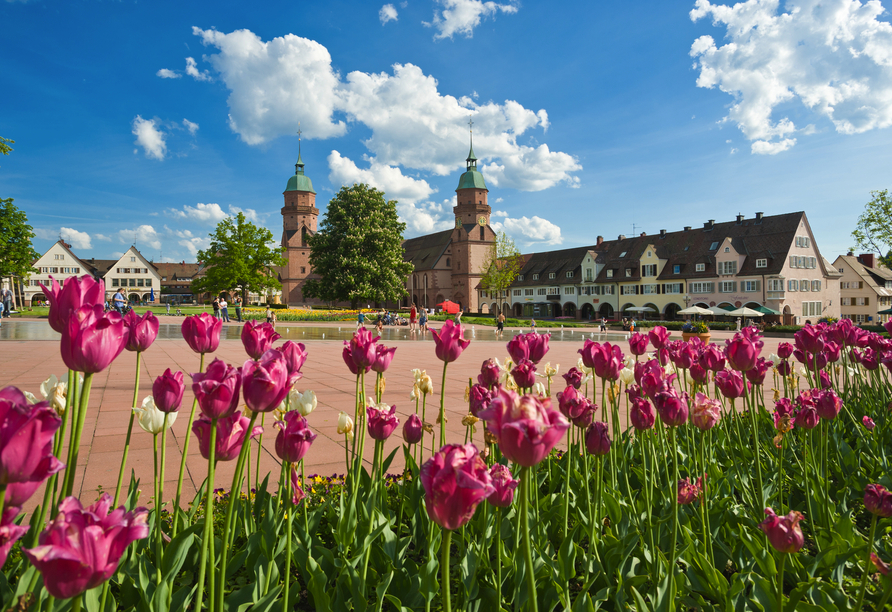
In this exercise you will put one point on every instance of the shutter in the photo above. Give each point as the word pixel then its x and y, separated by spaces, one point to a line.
pixel 867 301
pixel 860 284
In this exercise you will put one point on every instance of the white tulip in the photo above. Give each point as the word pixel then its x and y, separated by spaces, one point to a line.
pixel 539 389
pixel 55 391
pixel 345 425
pixel 774 358
pixel 304 403
pixel 32 399
pixel 627 375
pixel 151 419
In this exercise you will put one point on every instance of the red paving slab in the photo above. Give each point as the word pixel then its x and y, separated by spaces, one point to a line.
pixel 26 363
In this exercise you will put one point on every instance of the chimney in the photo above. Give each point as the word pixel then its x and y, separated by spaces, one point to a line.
pixel 850 253
pixel 600 241
pixel 687 228
pixel 758 216
pixel 739 219
pixel 708 225
pixel 621 237
pixel 643 234
pixel 662 233
pixel 866 259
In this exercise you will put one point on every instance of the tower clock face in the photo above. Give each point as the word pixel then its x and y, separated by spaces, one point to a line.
pixel 481 221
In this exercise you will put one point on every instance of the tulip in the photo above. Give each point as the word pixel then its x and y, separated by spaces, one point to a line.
pixel 490 372
pixel 882 567
pixel 265 382
pixel 741 353
pixel 151 419
pixel 167 390
pixel 359 352
pixel 705 412
pixel 295 355
pixel 783 413
pixel 575 407
pixel 807 417
pixel 479 399
pixel 574 377
pixel 449 341
pixel 77 292
pixel 888 326
pixel 712 358
pixel 202 332
pixel 878 500
pixel 868 423
pixel 597 440
pixel 304 403
pixel 525 428
pixel 783 532
pixel 413 429
pixel 756 375
pixel 142 330
pixel 524 374
pixel 587 352
pixel 652 378
pixel 294 437
pixel 299 494
pixel 231 434
pixel 425 384
pixel 81 548
pixel 538 344
pixel 383 357
pixel 381 420
pixel 832 350
pixel 638 344
pixel 258 338
pixel 809 339
pixel 504 484
pixel 455 481
pixel 217 389
pixel 345 425
pixel 17 493
pixel 608 359
pixel 682 354
pixel 56 392
pixel 730 383
pixel 688 491
pixel 658 336
pixel 673 408
pixel 828 404
pixel 699 374
pixel 784 350
pixel 26 438
pixel 92 339
pixel 641 414
pixel 10 533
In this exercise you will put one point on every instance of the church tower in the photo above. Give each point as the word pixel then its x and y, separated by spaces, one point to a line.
pixel 299 216
pixel 472 238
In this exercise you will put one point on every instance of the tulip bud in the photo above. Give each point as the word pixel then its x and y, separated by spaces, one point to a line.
pixel 294 438
pixel 784 532
pixel 597 440
pixel 425 384
pixel 688 491
pixel 504 485
pixel 151 419
pixel 868 423
pixel 381 421
pixel 882 567
pixel 345 424
pixel 413 430
pixel 878 500
pixel 455 481
pixel 202 332
pixel 142 331
pixel 304 403
pixel 167 391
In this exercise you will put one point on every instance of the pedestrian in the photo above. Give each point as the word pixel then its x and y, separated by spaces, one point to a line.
pixel 7 302
pixel 603 324
pixel 360 319
pixel 168 308
pixel 238 308
pixel 458 316
pixel 2 310
pixel 273 321
pixel 533 325
pixel 224 310
pixel 379 324
pixel 119 301
pixel 738 324
pixel 216 306
pixel 632 325
pixel 269 314
pixel 500 324
pixel 413 315
pixel 423 320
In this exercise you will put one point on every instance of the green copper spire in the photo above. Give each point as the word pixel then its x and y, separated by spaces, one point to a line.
pixel 300 181
pixel 472 160
pixel 471 179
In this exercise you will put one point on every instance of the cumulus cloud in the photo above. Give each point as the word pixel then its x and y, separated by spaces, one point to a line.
pixel 426 217
pixel 527 231
pixel 164 73
pixel 462 16
pixel 150 137
pixel 192 127
pixel 102 237
pixel 78 240
pixel 142 236
pixel 390 180
pixel 387 13
pixel 192 71
pixel 250 214
pixel 832 56
pixel 204 213
pixel 189 241
pixel 413 125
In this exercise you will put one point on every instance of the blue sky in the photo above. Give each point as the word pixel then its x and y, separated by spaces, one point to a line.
pixel 148 122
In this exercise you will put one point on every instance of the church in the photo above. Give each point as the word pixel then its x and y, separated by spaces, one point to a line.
pixel 448 265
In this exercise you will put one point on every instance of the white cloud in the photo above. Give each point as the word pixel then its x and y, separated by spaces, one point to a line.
pixel 499 213
pixel 387 13
pixel 190 241
pixel 250 214
pixel 102 237
pixel 390 180
pixel 426 217
pixel 499 200
pixel 149 137
pixel 142 236
pixel 192 71
pixel 192 127
pixel 204 213
pixel 462 16
pixel 78 240
pixel 833 56
pixel 526 231
pixel 164 73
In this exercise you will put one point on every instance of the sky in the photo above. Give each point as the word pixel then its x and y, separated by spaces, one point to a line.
pixel 148 123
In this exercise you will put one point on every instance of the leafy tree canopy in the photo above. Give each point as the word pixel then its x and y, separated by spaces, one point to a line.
pixel 241 256
pixel 874 229
pixel 502 264
pixel 358 251
pixel 4 145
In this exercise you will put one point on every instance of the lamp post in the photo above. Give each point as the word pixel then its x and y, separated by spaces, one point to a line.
pixel 687 300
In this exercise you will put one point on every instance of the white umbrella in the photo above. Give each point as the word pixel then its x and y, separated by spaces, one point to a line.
pixel 746 312
pixel 718 311
pixel 641 309
pixel 694 310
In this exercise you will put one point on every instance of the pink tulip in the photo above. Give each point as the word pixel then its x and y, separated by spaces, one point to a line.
pixel 705 412
pixel 712 358
pixel 699 374
pixel 295 355
pixel 783 414
pixel 653 378
pixel 730 383
pixel 662 356
pixel 81 548
pixel 449 341
pixel 526 428
pixel 217 389
pixel 167 391
pixel 381 421
pixel 608 361
pixel 597 439
pixel 490 372
pixel 77 292
pixel 142 331
pixel 92 339
pixel 682 354
pixel 9 531
pixel 530 346
pixel 576 407
pixel 784 350
pixel 17 493
pixel 741 353
pixel 688 491
pixel 824 380
pixel 202 332
pixel 455 482
pixel 809 339
pixel 878 500
pixel 587 352
pixel 888 326
pixel 642 414
pixel 258 338
pixel 756 375
pixel 524 374
pixel 26 439
pixel 480 397
pixel 832 350
pixel 672 407
pixel 783 532
pixel 807 417
pixel 828 404
pixel 383 357
pixel 413 429
pixel 574 377
pixel 298 493
pixel 231 434
pixel 882 567
pixel 638 344
pixel 868 423
pixel 658 336
pixel 811 360
pixel 265 382
pixel 504 484
pixel 294 438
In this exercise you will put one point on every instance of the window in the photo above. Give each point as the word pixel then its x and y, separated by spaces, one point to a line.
pixel 649 270
pixel 554 291
pixel 520 277
pixel 516 292
pixel 676 269
pixel 794 261
pixel 728 286
pixel 761 263
pixel 700 287
pixel 608 290
pixel 303 270
pixel 651 289
pixel 792 285
pixel 569 290
pixel 811 309
pixel 673 288
pixel 816 285
pixel 812 262
pixel 649 254
pixel 133 259
pixel 842 270
pixel 609 273
pixel 713 246
pixel 588 275
pixel 699 267
pixel 535 277
pixel 727 267
pixel 803 241
pixel 139 282
pixel 845 301
pixel 570 274
pixel 541 291
pixel 114 282
pixel 752 286
pixel 727 249
pixel 551 275
pixel 775 284
pixel 623 254
pixel 133 282
pixel 528 292
pixel 863 301
pixel 628 272
pixel 803 285
pixel 629 290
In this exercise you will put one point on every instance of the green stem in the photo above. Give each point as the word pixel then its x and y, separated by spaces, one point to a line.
pixel 760 493
pixel 863 589
pixel 208 538
pixel 525 528
pixel 443 406
pixel 886 595
pixel 259 451
pixel 157 510
pixel 176 505
pixel 159 503
pixel 71 469
pixel 810 461
pixel 567 483
pixel 673 492
pixel 69 466
pixel 289 505
pixel 780 583
pixel 129 432
pixel 444 569
pixel 499 557
pixel 75 604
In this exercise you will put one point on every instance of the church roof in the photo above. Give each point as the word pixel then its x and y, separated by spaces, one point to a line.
pixel 300 181
pixel 424 252
pixel 472 179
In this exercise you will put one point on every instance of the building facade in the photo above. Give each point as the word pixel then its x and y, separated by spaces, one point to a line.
pixel 60 263
pixel 299 218
pixel 865 288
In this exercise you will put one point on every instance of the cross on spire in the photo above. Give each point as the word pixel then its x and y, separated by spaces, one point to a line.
pixel 472 161
pixel 299 166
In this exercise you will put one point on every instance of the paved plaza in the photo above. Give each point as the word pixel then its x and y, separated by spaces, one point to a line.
pixel 25 363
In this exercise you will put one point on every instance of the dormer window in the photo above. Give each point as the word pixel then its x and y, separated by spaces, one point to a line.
pixel 569 274
pixel 628 272
pixel 535 277
pixel 761 263
pixel 609 273
pixel 551 275
pixel 520 277
pixel 623 254
pixel 713 246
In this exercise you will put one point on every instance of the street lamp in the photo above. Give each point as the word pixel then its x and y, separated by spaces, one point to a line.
pixel 687 299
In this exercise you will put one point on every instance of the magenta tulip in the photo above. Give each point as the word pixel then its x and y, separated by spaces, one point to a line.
pixel 828 404
pixel 10 533
pixel 381 421
pixel 785 350
pixel 783 532
pixel 455 481
pixel 449 341
pixel 519 348
pixel 26 438
pixel 479 399
pixel 688 491
pixel 360 352
pixel 490 373
pixel 597 439
pixel 641 414
pixel 705 412
pixel 525 427
pixel 882 567
pixel 672 407
pixel 92 339
pixel 576 407
pixel 832 351
pixel 741 353
pixel 538 344
pixel 783 414
pixel 76 293
pixel 202 332
pixel 231 435
pixel 574 377
pixel 730 383
pixel 413 429
pixel 638 344
pixel 868 423
pixel 294 438
pixel 888 326
pixel 298 493
pixel 81 548
pixel 504 484
pixel 524 374
pixel 295 355
pixel 265 382
pixel 878 500
pixel 141 331
pixel 712 358
pixel 608 360
pixel 658 336
pixel 756 375
pixel 587 352
pixel 258 338
pixel 167 391
pixel 17 493
pixel 809 339
pixel 682 354
pixel 824 380
pixel 217 389
pixel 807 417
pixel 383 357
pixel 699 374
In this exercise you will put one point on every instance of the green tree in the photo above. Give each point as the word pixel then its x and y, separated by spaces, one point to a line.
pixel 241 256
pixel 874 229
pixel 16 252
pixel 358 251
pixel 502 264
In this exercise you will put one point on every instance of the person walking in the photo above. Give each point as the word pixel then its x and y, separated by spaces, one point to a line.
pixel 269 314
pixel 360 319
pixel 533 325
pixel 216 306
pixel 168 308
pixel 423 320
pixel 500 325
pixel 603 324
pixel 2 310
pixel 413 315
pixel 458 315
pixel 7 302
pixel 238 308
pixel 224 310
pixel 119 301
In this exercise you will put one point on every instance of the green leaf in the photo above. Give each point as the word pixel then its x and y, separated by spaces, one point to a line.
pixel 177 551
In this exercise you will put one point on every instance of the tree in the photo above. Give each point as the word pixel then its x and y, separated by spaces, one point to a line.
pixel 240 256
pixel 16 252
pixel 874 229
pixel 358 250
pixel 502 264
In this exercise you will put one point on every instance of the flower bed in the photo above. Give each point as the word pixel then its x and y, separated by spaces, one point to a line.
pixel 744 482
